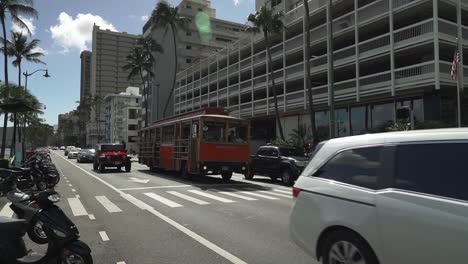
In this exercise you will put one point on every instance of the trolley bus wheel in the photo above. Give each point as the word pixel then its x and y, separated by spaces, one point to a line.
pixel 226 175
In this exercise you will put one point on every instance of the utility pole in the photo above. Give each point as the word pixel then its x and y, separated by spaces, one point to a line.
pixel 331 77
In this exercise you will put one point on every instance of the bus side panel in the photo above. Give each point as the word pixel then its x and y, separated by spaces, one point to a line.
pixel 224 152
pixel 167 157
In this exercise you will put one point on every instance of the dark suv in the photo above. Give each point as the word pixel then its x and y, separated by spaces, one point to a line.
pixel 286 163
pixel 111 155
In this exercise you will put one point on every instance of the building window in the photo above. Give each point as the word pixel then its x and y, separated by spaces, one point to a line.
pixel 200 9
pixel 136 100
pixel 188 33
pixel 188 6
pixel 132 127
pixel 132 139
pixel 132 114
pixel 188 47
pixel 223 39
pixel 188 60
pixel 275 3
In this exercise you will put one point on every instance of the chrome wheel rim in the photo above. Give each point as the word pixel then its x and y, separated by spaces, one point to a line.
pixel 344 252
pixel 73 259
pixel 38 231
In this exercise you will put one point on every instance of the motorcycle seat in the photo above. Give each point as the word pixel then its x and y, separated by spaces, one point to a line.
pixel 12 226
pixel 17 196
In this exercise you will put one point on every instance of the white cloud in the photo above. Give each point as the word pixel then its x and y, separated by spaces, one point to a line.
pixel 144 18
pixel 39 49
pixel 29 22
pixel 76 33
pixel 238 2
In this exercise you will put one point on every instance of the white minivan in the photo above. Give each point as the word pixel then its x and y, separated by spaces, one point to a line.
pixel 389 198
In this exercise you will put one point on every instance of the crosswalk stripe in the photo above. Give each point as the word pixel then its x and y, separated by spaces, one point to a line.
pixel 110 206
pixel 277 194
pixel 188 198
pixel 214 197
pixel 285 188
pixel 6 211
pixel 260 195
pixel 77 207
pixel 104 235
pixel 281 191
pixel 163 200
pixel 239 196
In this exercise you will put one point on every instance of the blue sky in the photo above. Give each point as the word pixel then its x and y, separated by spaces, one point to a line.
pixel 64 28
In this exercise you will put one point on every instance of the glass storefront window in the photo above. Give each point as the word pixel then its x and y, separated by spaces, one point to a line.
pixel 383 116
pixel 342 122
pixel 359 120
pixel 321 122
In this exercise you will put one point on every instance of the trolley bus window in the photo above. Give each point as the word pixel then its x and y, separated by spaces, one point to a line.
pixel 213 131
pixel 237 133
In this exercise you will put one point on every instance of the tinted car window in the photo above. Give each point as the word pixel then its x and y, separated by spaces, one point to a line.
pixel 261 152
pixel 438 169
pixel 356 166
pixel 290 152
pixel 272 153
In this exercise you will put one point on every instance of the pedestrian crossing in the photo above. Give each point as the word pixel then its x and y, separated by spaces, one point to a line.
pixel 174 199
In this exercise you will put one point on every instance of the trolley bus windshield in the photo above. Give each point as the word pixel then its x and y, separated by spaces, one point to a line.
pixel 220 132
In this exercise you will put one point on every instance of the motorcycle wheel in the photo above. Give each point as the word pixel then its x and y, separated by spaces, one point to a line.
pixel 42 185
pixel 36 233
pixel 75 258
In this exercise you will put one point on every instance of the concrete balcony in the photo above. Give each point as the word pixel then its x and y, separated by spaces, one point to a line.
pixel 413 34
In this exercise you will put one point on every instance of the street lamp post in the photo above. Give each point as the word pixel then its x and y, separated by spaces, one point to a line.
pixel 26 75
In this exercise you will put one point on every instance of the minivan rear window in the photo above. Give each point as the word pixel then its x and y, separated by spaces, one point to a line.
pixel 433 168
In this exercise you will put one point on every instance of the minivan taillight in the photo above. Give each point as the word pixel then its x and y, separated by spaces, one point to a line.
pixel 296 192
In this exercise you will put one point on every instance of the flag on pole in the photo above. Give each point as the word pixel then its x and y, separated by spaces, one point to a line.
pixel 456 61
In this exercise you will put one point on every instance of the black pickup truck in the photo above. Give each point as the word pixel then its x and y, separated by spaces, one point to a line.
pixel 275 162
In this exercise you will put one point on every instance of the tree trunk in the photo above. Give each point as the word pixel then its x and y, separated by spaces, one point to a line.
pixel 175 70
pixel 307 75
pixel 145 94
pixel 5 119
pixel 272 77
pixel 15 119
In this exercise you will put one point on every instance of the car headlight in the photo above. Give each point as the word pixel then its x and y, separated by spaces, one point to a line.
pixel 54 198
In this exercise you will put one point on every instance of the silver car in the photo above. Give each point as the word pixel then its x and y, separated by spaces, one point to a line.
pixel 72 154
pixel 397 197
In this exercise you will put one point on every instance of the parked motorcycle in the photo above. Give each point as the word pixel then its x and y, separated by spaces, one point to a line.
pixel 64 245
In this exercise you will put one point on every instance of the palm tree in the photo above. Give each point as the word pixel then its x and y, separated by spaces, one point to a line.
pixel 19 48
pixel 166 16
pixel 139 60
pixel 269 23
pixel 307 75
pixel 14 8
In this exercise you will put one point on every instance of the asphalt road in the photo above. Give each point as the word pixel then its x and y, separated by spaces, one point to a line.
pixel 146 217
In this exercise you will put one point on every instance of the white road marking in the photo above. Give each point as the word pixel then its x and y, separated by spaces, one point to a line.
pixel 104 236
pixel 144 206
pixel 138 180
pixel 155 187
pixel 73 190
pixel 110 206
pixel 77 207
pixel 277 194
pixel 188 198
pixel 239 196
pixel 260 195
pixel 285 188
pixel 67 181
pixel 281 191
pixel 214 197
pixel 120 262
pixel 91 217
pixel 70 185
pixel 163 200
pixel 6 210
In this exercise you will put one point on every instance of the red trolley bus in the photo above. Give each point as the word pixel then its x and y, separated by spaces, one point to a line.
pixel 203 142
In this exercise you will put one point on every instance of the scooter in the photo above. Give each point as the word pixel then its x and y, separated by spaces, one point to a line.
pixel 64 245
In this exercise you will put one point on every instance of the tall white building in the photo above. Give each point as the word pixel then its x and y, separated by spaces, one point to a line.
pixel 121 118
pixel 205 34
pixel 108 56
pixel 387 54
